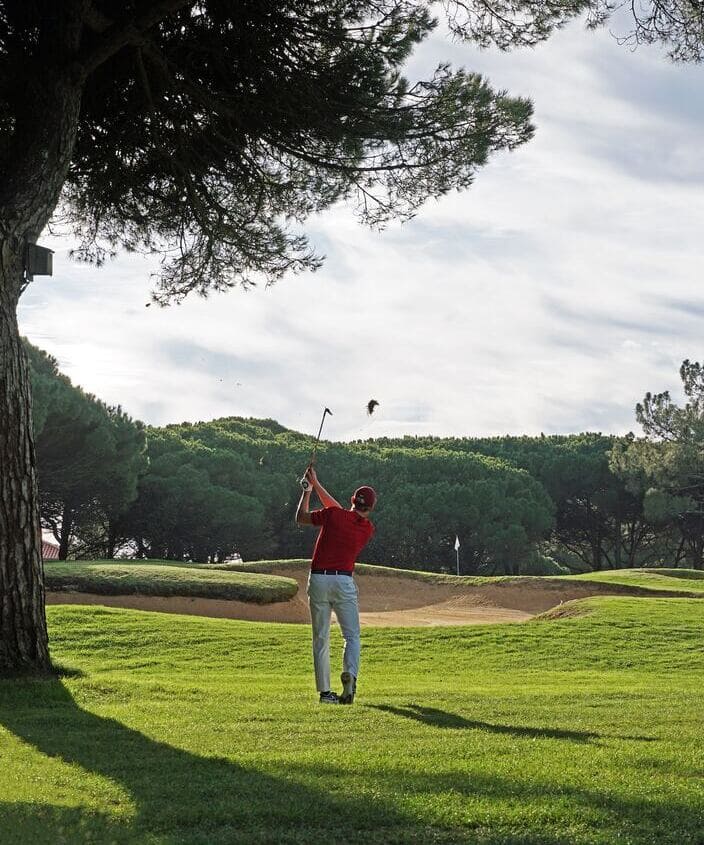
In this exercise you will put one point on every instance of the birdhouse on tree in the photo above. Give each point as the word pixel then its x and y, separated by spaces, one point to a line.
pixel 39 261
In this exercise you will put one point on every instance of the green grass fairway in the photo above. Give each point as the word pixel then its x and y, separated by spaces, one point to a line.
pixel 669 580
pixel 160 578
pixel 168 729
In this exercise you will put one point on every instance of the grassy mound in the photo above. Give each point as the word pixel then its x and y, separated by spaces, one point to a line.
pixel 273 566
pixel 683 582
pixel 583 730
pixel 165 578
pixel 259 582
pixel 689 581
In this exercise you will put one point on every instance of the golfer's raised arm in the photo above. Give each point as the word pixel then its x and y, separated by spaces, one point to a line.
pixel 326 499
pixel 303 511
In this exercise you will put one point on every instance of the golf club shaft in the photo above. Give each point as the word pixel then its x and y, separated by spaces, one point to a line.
pixel 317 439
pixel 304 482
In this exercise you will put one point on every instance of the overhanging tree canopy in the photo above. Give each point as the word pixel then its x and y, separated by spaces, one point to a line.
pixel 212 134
pixel 676 24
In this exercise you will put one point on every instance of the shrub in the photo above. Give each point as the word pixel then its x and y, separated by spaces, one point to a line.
pixel 540 564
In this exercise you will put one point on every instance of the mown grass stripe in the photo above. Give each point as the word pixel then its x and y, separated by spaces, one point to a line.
pixel 582 730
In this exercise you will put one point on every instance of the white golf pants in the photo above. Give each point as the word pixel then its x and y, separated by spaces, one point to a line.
pixel 325 594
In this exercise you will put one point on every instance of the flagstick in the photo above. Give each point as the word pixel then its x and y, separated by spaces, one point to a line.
pixel 458 561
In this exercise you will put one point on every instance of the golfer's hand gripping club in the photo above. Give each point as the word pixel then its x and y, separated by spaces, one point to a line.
pixel 306 481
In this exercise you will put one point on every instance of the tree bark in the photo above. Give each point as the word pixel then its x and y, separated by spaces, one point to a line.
pixel 111 541
pixel 34 165
pixel 618 538
pixel 67 518
pixel 23 633
pixel 34 170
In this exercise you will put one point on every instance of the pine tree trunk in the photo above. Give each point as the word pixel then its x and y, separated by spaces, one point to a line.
pixel 23 633
pixel 697 552
pixel 618 538
pixel 596 556
pixel 110 542
pixel 36 164
pixel 67 516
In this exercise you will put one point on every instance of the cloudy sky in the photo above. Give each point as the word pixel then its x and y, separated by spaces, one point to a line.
pixel 549 297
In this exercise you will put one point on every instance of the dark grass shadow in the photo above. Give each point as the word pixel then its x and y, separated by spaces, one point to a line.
pixel 182 798
pixel 177 795
pixel 63 671
pixel 603 815
pixel 25 822
pixel 54 672
pixel 442 719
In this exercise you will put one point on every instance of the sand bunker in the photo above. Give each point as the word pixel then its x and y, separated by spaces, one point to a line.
pixel 384 600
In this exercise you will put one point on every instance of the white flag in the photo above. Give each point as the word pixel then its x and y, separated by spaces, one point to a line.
pixel 457 542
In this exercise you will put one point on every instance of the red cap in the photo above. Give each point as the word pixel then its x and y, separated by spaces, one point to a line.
pixel 364 497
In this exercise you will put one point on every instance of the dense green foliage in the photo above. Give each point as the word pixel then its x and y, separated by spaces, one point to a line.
pixel 209 131
pixel 89 455
pixel 172 729
pixel 208 492
pixel 666 466
pixel 232 485
pixel 505 497
pixel 598 521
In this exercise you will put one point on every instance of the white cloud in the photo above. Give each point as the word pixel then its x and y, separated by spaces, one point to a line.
pixel 549 297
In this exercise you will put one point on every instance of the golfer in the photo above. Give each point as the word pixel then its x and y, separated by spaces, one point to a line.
pixel 343 535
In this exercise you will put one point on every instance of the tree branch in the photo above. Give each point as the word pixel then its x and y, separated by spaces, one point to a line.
pixel 96 20
pixel 119 35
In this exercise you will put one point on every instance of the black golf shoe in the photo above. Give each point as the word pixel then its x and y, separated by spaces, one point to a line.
pixel 329 697
pixel 349 688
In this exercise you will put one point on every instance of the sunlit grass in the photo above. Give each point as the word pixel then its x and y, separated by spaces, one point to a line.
pixel 189 730
pixel 157 578
pixel 675 580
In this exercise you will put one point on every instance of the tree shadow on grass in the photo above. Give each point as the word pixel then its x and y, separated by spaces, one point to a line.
pixel 175 795
pixel 36 823
pixel 443 719
pixel 536 809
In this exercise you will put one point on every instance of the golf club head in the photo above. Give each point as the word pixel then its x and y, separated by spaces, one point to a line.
pixel 320 430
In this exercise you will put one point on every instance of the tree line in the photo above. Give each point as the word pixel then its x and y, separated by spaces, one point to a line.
pixel 211 490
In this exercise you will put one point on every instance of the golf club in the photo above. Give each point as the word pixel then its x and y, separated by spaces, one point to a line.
pixel 305 484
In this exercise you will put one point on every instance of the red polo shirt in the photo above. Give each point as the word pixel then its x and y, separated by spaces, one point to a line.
pixel 344 535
